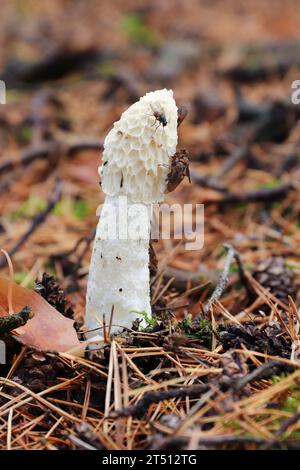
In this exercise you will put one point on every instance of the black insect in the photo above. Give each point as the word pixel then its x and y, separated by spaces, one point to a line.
pixel 160 117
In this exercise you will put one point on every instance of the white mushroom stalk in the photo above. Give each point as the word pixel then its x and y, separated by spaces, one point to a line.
pixel 134 169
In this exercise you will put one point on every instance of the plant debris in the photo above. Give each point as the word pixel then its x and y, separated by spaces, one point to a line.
pixel 11 322
pixel 47 329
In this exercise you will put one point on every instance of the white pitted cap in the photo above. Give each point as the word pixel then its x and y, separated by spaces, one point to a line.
pixel 138 147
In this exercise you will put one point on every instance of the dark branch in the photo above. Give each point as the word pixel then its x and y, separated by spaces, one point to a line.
pixel 266 371
pixel 140 409
pixel 36 221
pixel 45 151
pixel 11 322
pixel 259 195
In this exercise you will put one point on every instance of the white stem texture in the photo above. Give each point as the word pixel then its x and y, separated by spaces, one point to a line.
pixel 120 267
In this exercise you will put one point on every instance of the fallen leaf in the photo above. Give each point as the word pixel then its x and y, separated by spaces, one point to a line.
pixel 48 330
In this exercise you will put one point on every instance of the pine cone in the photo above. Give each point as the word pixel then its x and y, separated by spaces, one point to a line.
pixel 268 340
pixel 50 289
pixel 39 371
pixel 274 275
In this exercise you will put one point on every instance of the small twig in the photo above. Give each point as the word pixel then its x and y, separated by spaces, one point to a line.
pixel 140 409
pixel 230 162
pixel 259 195
pixel 194 391
pixel 110 321
pixel 266 371
pixel 40 123
pixel 11 322
pixel 243 278
pixel 104 329
pixel 87 144
pixel 11 280
pixel 177 442
pixel 208 182
pixel 283 428
pixel 64 258
pixel 80 443
pixel 195 279
pixel 87 241
pixel 36 221
pixel 164 309
pixel 223 279
pixel 46 150
pixel 56 64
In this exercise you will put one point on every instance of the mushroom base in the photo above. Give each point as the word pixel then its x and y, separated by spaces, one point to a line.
pixel 119 278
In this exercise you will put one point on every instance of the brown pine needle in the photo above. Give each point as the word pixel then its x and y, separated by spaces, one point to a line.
pixel 11 280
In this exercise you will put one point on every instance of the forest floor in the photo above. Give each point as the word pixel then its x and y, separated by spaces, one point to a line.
pixel 208 372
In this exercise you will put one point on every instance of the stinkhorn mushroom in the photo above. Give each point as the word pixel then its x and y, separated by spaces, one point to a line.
pixel 134 169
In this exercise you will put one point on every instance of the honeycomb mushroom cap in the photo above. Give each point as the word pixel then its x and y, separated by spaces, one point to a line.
pixel 138 147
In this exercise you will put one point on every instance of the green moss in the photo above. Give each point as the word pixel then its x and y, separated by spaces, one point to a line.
pixel 235 269
pixel 81 209
pixel 25 135
pixel 29 208
pixel 272 184
pixel 34 205
pixel 50 268
pixel 23 8
pixel 186 324
pixel 222 251
pixel 232 424
pixel 292 404
pixel 277 378
pixel 78 207
pixel 295 435
pixel 201 331
pixel 107 69
pixel 19 278
pixel 204 332
pixel 134 28
pixel 150 321
pixel 292 266
pixel 241 206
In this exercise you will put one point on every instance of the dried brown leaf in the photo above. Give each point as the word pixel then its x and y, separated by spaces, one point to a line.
pixel 48 330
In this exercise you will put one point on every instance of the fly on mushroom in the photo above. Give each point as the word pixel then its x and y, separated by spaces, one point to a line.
pixel 159 116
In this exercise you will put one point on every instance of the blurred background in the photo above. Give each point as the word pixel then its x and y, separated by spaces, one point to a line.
pixel 72 66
